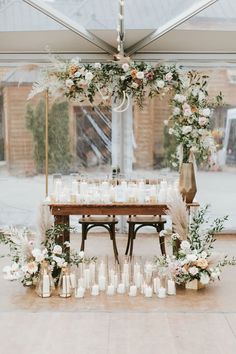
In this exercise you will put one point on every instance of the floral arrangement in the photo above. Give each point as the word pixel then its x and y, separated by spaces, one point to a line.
pixel 27 254
pixel 191 108
pixel 194 258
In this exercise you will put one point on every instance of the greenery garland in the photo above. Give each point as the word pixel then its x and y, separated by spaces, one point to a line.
pixel 189 122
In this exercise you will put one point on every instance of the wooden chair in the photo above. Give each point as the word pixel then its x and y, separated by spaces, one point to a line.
pixel 108 222
pixel 137 222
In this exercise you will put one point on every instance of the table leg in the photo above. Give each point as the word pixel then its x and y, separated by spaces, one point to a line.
pixel 63 220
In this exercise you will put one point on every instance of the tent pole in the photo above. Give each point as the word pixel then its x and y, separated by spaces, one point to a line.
pixel 46 143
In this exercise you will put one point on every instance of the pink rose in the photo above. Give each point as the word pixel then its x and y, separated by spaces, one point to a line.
pixel 202 121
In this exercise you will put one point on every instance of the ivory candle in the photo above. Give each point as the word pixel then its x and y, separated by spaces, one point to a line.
pixel 102 282
pixel 87 278
pixel 148 291
pixel 110 290
pixel 65 286
pixel 80 292
pixel 121 288
pixel 133 290
pixel 95 290
pixel 73 280
pixel 138 279
pixel 162 293
pixel 156 284
pixel 171 289
pixel 46 286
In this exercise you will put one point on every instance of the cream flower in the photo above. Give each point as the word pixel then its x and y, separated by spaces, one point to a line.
pixel 57 249
pixel 203 121
pixel 169 76
pixel 176 111
pixel 191 257
pixel 140 75
pixel 134 85
pixel 160 83
pixel 32 267
pixel 69 83
pixel 179 98
pixel 205 112
pixel 185 245
pixel 202 263
pixel 193 270
pixel 125 67
pixel 97 66
pixel 81 254
pixel 38 255
pixel 89 76
pixel 186 129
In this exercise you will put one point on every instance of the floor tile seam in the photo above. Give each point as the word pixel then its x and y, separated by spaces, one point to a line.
pixel 229 324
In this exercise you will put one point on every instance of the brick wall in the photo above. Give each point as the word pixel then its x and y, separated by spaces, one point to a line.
pixel 18 139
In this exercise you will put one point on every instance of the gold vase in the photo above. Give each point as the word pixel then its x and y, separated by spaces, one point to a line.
pixel 187 182
pixel 194 285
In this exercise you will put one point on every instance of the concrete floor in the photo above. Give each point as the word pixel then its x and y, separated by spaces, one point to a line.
pixel 191 322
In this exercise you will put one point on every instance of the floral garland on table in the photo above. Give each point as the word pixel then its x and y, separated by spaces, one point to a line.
pixel 27 255
pixel 191 108
pixel 194 259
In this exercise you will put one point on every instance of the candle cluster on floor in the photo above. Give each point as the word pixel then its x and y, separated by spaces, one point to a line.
pixel 130 277
pixel 110 191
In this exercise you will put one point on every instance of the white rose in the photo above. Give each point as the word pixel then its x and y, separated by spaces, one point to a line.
pixel 69 83
pixel 38 255
pixel 32 267
pixel 185 245
pixel 134 85
pixel 180 98
pixel 176 111
pixel 163 233
pixel 203 121
pixel 195 91
pixel 57 249
pixel 81 254
pixel 186 129
pixel 171 130
pixel 97 66
pixel 175 236
pixel 194 133
pixel 193 270
pixel 125 67
pixel 140 75
pixel 122 78
pixel 204 279
pixel 187 112
pixel 204 255
pixel 60 261
pixel 169 76
pixel 89 76
pixel 201 96
pixel 191 257
pixel 160 83
pixel 205 112
pixel 166 122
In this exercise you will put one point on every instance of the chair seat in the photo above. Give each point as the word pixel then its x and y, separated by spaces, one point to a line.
pixel 98 220
pixel 146 220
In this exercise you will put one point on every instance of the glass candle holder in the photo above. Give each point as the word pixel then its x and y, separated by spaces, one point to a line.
pixel 45 285
pixel 65 285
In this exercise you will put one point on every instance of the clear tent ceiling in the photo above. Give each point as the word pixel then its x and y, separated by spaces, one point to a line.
pixel 25 29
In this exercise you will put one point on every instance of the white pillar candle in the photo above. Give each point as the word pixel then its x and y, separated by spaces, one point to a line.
pixel 121 288
pixel 65 286
pixel 133 290
pixel 126 267
pixel 101 270
pixel 80 292
pixel 138 279
pixel 141 196
pixel 95 290
pixel 46 286
pixel 137 268
pixel 162 293
pixel 148 291
pixel 171 289
pixel 125 279
pixel 81 283
pixel 162 195
pixel 58 190
pixel 74 187
pixel 110 290
pixel 73 280
pixel 148 267
pixel 102 282
pixel 92 268
pixel 156 284
pixel 87 278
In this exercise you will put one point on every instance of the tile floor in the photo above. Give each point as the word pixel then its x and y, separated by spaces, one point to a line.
pixel 192 322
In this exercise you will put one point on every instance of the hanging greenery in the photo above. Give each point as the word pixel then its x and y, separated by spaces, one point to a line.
pixel 189 122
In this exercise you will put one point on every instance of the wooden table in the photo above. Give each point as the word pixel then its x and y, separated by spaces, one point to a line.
pixel 62 212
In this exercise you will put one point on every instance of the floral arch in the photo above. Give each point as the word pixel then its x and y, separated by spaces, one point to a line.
pixel 191 107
